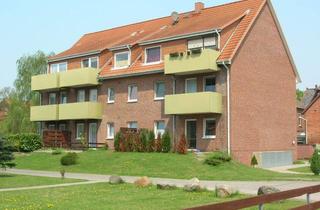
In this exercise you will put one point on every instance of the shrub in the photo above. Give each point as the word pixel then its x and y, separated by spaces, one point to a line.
pixel 144 139
pixel 106 146
pixel 69 159
pixel 166 142
pixel 217 158
pixel 182 145
pixel 117 140
pixel 150 141
pixel 57 151
pixel 254 161
pixel 25 142
pixel 158 144
pixel 6 156
pixel 315 162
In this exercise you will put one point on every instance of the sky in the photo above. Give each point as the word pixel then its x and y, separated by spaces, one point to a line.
pixel 54 26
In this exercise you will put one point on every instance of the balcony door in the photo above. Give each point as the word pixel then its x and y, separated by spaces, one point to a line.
pixel 191 133
pixel 92 134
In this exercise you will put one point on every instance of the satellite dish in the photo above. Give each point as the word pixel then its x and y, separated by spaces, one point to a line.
pixel 175 17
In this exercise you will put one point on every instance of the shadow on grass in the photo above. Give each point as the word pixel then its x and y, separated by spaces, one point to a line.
pixel 6 175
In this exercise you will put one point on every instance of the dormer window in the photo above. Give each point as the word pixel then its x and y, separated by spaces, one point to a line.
pixel 58 67
pixel 153 55
pixel 121 60
pixel 207 42
pixel 90 62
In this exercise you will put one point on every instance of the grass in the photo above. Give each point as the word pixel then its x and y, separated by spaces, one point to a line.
pixel 12 180
pixel 304 169
pixel 105 196
pixel 151 164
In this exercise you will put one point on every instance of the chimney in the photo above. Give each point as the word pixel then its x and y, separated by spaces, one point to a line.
pixel 198 6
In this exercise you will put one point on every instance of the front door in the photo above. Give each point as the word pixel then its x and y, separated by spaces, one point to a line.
pixel 191 133
pixel 92 134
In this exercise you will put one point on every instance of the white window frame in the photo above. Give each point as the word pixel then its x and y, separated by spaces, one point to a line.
pixel 128 124
pixel 145 56
pixel 155 129
pixel 115 60
pixel 79 137
pixel 63 125
pixel 58 67
pixel 204 136
pixel 78 94
pixel 185 84
pixel 132 100
pixel 108 95
pixel 108 130
pixel 185 126
pixel 97 57
pixel 90 92
pixel 51 125
pixel 55 98
pixel 155 91
pixel 204 82
pixel 66 94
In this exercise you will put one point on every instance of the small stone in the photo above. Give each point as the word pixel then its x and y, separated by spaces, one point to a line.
pixel 192 188
pixel 165 186
pixel 143 182
pixel 224 191
pixel 264 190
pixel 115 180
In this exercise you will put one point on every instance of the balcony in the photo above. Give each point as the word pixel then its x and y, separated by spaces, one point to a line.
pixel 45 82
pixel 193 103
pixel 190 63
pixel 70 78
pixel 83 110
pixel 44 113
pixel 79 77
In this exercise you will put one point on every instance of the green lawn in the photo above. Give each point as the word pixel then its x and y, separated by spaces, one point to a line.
pixel 105 196
pixel 304 169
pixel 12 180
pixel 151 164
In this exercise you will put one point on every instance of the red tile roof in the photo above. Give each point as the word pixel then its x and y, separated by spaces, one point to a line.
pixel 210 18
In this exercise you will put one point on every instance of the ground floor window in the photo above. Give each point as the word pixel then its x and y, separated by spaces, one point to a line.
pixel 51 127
pixel 110 130
pixel 80 131
pixel 62 127
pixel 209 128
pixel 133 124
pixel 159 128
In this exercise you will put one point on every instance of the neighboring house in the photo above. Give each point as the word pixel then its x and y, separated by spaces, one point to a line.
pixel 222 75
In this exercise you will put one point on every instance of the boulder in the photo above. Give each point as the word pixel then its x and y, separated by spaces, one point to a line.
pixel 143 182
pixel 165 186
pixel 115 180
pixel 263 190
pixel 193 186
pixel 224 191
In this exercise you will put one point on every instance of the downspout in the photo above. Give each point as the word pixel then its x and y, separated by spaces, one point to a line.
pixel 228 107
pixel 218 35
pixel 306 122
pixel 128 46
pixel 173 116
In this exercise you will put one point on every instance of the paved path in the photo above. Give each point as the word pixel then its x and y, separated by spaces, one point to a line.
pixel 246 187
pixel 285 169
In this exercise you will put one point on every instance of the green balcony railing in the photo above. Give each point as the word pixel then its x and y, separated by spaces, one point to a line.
pixel 193 103
pixel 79 77
pixel 45 82
pixel 44 113
pixel 204 61
pixel 83 110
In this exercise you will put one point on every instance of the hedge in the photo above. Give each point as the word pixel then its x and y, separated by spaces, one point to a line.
pixel 25 142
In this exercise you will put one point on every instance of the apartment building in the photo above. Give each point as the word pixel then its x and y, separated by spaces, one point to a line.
pixel 221 75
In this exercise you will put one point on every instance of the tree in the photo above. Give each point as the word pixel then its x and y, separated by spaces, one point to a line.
pixel 299 94
pixel 315 162
pixel 166 142
pixel 6 155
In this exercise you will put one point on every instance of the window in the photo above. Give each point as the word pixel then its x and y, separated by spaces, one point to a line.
pixel 93 95
pixel 159 90
pixel 80 130
pixel 133 124
pixel 58 67
pixel 111 95
pixel 81 96
pixel 121 60
pixel 209 84
pixel 153 55
pixel 110 130
pixel 132 93
pixel 191 85
pixel 159 127
pixel 90 62
pixel 207 42
pixel 62 127
pixel 52 98
pixel 63 97
pixel 209 128
pixel 52 127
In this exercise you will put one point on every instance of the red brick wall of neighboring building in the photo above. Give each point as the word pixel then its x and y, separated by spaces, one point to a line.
pixel 312 115
pixel 263 114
